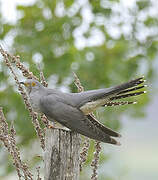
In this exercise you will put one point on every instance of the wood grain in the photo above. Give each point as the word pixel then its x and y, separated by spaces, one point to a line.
pixel 62 152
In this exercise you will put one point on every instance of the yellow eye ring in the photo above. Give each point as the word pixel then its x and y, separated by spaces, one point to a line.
pixel 33 84
pixel 26 84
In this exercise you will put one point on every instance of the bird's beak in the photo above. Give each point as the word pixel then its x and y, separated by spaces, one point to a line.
pixel 22 83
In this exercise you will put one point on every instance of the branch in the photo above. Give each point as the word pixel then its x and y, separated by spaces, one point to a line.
pixel 27 74
pixel 95 161
pixel 9 142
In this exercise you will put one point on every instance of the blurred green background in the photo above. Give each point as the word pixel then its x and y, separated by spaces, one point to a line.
pixel 106 42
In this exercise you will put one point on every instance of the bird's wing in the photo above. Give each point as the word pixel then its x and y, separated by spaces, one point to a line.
pixel 74 119
pixel 108 131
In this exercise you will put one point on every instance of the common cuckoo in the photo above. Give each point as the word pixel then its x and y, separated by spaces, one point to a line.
pixel 73 110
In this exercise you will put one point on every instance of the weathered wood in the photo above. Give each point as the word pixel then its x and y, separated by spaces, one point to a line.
pixel 61 158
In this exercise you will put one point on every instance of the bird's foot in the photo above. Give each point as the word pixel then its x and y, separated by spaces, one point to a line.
pixel 56 125
pixel 50 126
pixel 61 128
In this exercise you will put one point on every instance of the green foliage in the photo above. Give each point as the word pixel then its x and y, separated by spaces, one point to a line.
pixel 52 35
pixel 143 4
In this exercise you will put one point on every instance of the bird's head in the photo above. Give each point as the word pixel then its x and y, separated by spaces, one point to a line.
pixel 32 85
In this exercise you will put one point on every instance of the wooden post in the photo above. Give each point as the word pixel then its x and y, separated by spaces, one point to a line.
pixel 62 152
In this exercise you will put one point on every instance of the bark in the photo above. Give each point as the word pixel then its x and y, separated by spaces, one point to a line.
pixel 61 156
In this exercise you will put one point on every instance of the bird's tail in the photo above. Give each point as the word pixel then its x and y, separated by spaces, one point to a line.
pixel 124 90
pixel 105 97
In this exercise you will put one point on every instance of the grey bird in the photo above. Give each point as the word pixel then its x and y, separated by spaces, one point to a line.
pixel 73 110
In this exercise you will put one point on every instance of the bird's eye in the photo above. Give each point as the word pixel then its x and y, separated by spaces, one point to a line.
pixel 33 84
pixel 26 84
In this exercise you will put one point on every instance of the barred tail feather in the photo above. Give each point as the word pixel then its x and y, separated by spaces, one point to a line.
pixel 126 86
pixel 121 89
pixel 103 97
pixel 132 89
pixel 119 103
pixel 127 95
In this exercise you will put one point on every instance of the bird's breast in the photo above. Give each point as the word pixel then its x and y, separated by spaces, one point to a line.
pixel 35 101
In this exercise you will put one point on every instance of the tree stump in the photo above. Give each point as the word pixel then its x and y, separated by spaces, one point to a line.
pixel 62 152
